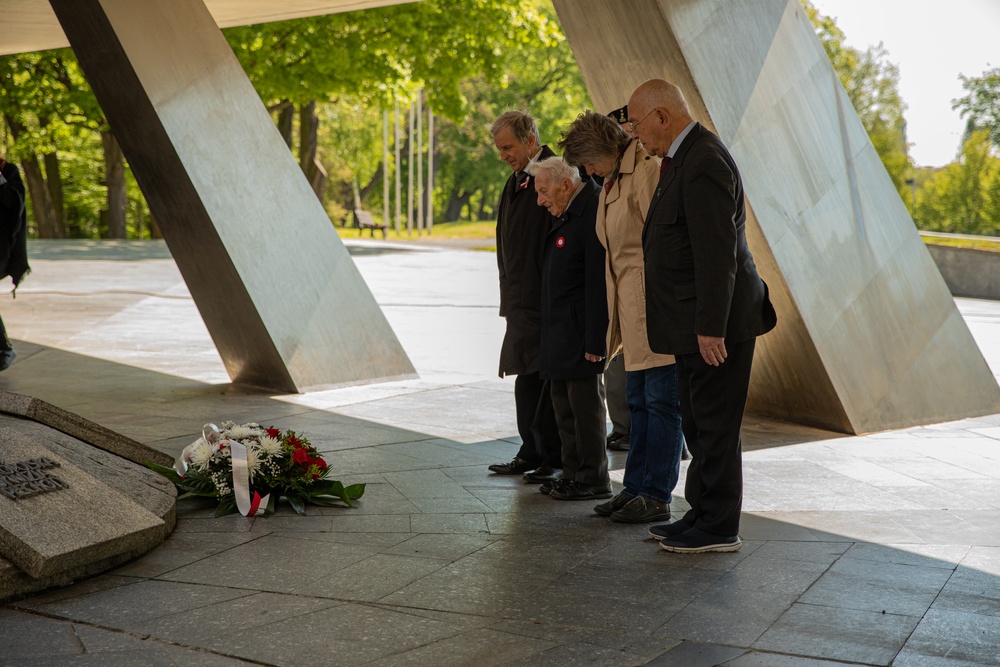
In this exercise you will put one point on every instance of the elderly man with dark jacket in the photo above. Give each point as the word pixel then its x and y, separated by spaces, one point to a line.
pixel 574 324
pixel 705 304
pixel 521 228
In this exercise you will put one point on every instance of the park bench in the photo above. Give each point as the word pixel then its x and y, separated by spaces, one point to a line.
pixel 365 221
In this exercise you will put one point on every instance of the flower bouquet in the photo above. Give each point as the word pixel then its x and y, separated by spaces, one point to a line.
pixel 228 463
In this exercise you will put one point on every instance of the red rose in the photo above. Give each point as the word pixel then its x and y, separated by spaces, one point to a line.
pixel 320 463
pixel 301 457
pixel 294 442
pixel 273 433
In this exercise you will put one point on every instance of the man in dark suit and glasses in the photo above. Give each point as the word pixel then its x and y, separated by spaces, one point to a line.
pixel 705 304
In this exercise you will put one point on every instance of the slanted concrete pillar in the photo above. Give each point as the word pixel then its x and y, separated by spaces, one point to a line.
pixel 279 294
pixel 868 337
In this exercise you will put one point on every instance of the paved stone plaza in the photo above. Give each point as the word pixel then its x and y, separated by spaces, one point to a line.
pixel 874 550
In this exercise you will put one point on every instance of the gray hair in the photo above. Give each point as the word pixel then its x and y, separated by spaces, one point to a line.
pixel 593 137
pixel 555 169
pixel 521 125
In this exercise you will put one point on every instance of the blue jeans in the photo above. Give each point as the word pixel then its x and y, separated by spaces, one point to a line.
pixel 656 441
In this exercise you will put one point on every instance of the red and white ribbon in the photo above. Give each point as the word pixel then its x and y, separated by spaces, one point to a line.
pixel 241 481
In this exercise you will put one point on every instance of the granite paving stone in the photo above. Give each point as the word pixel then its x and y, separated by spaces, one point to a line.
pixel 252 566
pixel 892 588
pixel 727 614
pixel 127 607
pixel 370 579
pixel 952 638
pixel 839 634
pixel 481 647
pixel 451 547
pixel 694 654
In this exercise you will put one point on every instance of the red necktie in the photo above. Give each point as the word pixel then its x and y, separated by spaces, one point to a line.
pixel 607 185
pixel 663 165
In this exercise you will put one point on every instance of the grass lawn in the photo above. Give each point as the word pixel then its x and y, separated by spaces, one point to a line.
pixel 466 234
pixel 983 243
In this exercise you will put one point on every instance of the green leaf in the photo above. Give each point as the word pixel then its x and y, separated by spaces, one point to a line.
pixel 271 501
pixel 298 504
pixel 226 506
pixel 326 501
pixel 355 491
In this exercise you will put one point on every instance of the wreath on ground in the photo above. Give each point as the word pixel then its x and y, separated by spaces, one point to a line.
pixel 248 468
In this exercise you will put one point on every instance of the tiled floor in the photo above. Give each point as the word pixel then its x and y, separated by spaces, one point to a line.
pixel 875 550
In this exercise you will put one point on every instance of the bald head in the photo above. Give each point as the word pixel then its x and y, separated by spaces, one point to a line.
pixel 658 113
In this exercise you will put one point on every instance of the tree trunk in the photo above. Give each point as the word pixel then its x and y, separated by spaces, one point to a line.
pixel 114 178
pixel 286 117
pixel 53 180
pixel 376 180
pixel 41 200
pixel 308 143
pixel 455 206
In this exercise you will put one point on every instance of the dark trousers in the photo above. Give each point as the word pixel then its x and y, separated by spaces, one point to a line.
pixel 536 422
pixel 712 402
pixel 582 420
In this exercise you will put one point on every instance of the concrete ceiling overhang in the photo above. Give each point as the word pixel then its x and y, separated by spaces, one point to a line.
pixel 31 25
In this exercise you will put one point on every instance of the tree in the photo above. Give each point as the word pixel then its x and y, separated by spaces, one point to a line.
pixel 981 104
pixel 872 85
pixel 964 196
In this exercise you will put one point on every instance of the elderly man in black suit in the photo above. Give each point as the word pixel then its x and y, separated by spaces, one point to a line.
pixel 521 228
pixel 574 325
pixel 705 304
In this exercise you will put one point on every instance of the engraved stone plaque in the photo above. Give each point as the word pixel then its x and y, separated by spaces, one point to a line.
pixel 60 515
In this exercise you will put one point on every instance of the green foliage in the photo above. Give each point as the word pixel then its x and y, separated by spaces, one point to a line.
pixel 872 85
pixel 980 106
pixel 964 196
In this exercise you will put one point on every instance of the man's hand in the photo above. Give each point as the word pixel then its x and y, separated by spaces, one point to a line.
pixel 592 357
pixel 713 350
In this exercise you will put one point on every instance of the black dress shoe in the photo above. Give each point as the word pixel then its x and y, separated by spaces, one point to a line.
pixel 7 358
pixel 515 467
pixel 548 487
pixel 541 474
pixel 619 444
pixel 578 491
pixel 615 435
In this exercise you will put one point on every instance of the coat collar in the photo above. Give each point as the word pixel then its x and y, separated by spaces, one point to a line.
pixel 626 165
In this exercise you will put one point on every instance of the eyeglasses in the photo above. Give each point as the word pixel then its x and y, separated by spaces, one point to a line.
pixel 634 124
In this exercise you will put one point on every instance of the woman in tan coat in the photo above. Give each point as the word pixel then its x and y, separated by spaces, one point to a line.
pixel 599 144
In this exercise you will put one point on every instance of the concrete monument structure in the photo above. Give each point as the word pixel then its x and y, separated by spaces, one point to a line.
pixel 868 338
pixel 868 335
pixel 284 303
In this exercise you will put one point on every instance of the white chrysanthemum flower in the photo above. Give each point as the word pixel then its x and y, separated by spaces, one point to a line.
pixel 243 432
pixel 253 462
pixel 201 453
pixel 270 446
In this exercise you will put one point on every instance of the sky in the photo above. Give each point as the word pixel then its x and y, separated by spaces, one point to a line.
pixel 932 42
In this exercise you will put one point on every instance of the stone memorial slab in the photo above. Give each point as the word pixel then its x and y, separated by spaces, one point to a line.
pixel 73 424
pixel 54 516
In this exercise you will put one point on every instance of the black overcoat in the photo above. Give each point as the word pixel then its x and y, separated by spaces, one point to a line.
pixel 574 298
pixel 13 225
pixel 700 276
pixel 521 228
